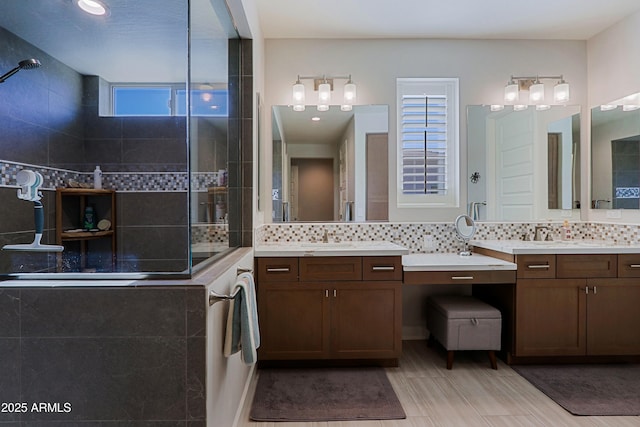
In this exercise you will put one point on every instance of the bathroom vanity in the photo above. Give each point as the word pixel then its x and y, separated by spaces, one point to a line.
pixel 325 301
pixel 571 299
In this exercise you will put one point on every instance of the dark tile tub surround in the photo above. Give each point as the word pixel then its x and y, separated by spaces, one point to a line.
pixel 118 356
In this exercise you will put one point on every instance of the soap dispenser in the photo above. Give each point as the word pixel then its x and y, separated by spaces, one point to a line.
pixel 566 230
pixel 97 178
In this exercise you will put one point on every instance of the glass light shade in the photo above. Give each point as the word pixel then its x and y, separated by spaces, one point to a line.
pixel 543 107
pixel 608 107
pixel 324 93
pixel 349 93
pixel 520 107
pixel 536 93
pixel 630 107
pixel 511 93
pixel 92 6
pixel 298 96
pixel 497 107
pixel 346 107
pixel 561 92
pixel 324 96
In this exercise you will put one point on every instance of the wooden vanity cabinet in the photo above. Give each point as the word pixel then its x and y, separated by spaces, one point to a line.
pixel 585 310
pixel 332 310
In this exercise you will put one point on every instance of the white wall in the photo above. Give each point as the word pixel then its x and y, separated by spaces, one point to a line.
pixel 227 378
pixel 483 67
pixel 613 64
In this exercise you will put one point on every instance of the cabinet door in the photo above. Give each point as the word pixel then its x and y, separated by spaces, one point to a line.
pixel 366 320
pixel 294 321
pixel 550 317
pixel 613 318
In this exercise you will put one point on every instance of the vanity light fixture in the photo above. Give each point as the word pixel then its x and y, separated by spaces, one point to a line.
pixel 93 7
pixel 324 85
pixel 561 92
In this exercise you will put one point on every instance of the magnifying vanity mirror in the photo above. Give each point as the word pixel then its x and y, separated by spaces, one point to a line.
pixel 465 229
pixel 615 154
pixel 523 165
pixel 330 166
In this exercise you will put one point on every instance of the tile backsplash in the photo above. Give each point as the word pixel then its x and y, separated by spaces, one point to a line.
pixel 442 235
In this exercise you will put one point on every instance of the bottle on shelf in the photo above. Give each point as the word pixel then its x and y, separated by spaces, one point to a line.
pixel 97 178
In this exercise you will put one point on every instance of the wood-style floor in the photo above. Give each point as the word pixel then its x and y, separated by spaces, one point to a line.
pixel 471 394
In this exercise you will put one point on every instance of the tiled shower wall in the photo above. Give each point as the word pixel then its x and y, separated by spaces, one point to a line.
pixel 443 235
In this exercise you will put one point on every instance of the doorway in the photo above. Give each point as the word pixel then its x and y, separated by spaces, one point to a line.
pixel 312 190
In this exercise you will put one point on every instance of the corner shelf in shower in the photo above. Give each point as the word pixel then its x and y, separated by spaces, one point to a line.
pixel 70 206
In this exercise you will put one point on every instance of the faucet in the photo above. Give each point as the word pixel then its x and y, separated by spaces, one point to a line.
pixel 538 235
pixel 596 203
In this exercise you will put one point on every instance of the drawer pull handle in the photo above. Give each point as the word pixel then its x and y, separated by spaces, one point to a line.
pixel 634 265
pixel 461 277
pixel 278 270
pixel 534 266
pixel 383 268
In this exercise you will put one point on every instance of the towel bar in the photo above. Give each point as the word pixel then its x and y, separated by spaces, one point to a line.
pixel 214 297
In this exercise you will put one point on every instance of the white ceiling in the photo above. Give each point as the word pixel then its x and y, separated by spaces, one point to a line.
pixel 483 19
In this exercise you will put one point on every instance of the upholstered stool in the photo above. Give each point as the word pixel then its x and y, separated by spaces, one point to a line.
pixel 461 322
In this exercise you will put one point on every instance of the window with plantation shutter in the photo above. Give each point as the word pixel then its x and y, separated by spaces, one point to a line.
pixel 428 142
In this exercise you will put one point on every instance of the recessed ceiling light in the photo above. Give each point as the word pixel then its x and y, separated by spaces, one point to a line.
pixel 94 7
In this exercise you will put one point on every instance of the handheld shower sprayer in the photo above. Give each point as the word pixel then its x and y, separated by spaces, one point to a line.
pixel 27 64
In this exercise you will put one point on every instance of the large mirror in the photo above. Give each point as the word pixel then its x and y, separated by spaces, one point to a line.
pixel 523 165
pixel 615 154
pixel 330 166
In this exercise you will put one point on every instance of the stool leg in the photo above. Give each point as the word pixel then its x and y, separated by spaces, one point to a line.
pixel 449 359
pixel 492 359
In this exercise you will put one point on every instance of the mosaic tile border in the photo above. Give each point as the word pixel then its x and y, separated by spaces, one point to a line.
pixel 123 182
pixel 412 235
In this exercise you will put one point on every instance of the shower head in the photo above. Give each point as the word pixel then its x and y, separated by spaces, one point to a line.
pixel 27 64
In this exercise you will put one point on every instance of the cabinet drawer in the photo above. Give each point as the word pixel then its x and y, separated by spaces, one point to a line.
pixel 629 265
pixel 382 268
pixel 585 266
pixel 458 277
pixel 536 266
pixel 277 269
pixel 330 268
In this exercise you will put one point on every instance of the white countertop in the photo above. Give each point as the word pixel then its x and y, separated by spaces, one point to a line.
pixel 454 262
pixel 585 246
pixel 284 249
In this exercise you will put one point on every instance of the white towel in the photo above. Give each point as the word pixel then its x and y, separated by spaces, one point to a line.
pixel 243 332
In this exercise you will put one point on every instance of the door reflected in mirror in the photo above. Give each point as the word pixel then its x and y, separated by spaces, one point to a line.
pixel 523 165
pixel 615 154
pixel 330 166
